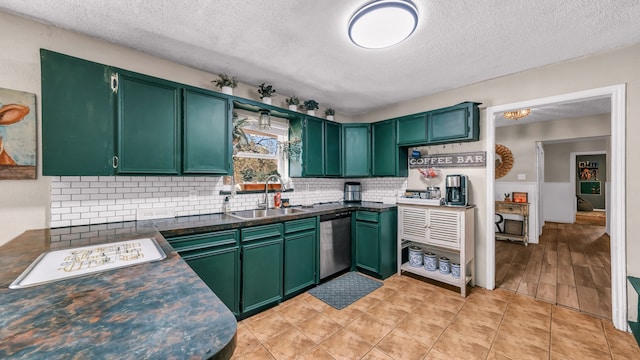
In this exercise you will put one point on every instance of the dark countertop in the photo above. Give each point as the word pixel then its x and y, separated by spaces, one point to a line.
pixel 156 310
pixel 186 225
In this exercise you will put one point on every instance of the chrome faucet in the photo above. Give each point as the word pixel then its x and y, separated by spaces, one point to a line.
pixel 265 204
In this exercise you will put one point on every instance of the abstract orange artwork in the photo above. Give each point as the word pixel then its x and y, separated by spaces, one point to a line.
pixel 17 135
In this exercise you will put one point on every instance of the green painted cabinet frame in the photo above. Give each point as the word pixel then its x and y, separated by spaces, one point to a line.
pixel 375 243
pixel 313 145
pixel 300 255
pixel 101 120
pixel 262 267
pixel 388 159
pixel 149 125
pixel 215 257
pixel 78 116
pixel 207 136
pixel 412 130
pixel 332 149
pixel 455 123
pixel 356 150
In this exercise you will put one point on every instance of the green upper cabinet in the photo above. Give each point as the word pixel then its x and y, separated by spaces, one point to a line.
pixel 313 151
pixel 356 150
pixel 207 133
pixel 100 120
pixel 332 149
pixel 148 125
pixel 388 159
pixel 321 147
pixel 412 130
pixel 78 121
pixel 455 123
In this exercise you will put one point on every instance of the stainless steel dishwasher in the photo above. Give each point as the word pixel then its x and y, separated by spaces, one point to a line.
pixel 335 243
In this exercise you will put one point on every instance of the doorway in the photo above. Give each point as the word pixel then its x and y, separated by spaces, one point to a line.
pixel 617 96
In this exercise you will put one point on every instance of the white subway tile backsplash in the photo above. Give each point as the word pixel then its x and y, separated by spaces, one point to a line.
pixel 109 199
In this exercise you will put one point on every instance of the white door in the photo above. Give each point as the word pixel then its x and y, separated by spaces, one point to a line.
pixel 540 183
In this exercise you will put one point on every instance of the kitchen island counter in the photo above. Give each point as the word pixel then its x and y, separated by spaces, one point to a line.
pixel 155 310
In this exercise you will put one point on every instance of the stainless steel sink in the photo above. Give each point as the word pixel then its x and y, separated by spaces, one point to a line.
pixel 261 213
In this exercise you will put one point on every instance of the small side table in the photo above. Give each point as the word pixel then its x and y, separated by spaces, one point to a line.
pixel 514 208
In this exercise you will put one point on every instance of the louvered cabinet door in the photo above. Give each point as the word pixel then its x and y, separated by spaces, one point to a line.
pixel 444 228
pixel 414 224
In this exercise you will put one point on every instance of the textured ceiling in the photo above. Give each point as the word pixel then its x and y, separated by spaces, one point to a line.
pixel 301 46
pixel 559 111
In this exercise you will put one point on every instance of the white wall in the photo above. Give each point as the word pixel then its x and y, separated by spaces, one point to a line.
pixel 24 204
pixel 614 67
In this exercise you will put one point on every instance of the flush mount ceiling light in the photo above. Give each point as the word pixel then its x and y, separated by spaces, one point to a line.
pixel 517 114
pixel 383 23
pixel 264 120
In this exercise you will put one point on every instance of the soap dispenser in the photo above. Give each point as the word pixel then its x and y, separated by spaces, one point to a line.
pixel 226 206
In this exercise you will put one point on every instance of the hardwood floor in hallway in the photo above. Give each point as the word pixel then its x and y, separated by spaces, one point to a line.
pixel 570 266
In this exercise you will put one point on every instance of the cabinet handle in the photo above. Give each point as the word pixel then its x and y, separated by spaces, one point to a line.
pixel 114 82
pixel 114 162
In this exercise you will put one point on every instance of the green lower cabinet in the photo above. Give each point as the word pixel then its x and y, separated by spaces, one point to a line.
pixel 262 263
pixel 220 270
pixel 215 257
pixel 375 242
pixel 367 250
pixel 300 255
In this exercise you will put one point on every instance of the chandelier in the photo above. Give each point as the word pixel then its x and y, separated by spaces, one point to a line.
pixel 516 114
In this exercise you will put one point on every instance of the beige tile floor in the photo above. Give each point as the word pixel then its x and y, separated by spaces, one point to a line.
pixel 411 319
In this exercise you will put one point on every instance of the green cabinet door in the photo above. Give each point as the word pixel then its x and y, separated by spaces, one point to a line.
pixel 78 122
pixel 148 125
pixel 215 257
pixel 332 149
pixel 313 152
pixel 376 242
pixel 261 274
pixel 367 249
pixel 356 150
pixel 412 130
pixel 387 159
pixel 455 123
pixel 207 133
pixel 299 261
pixel 262 263
pixel 220 270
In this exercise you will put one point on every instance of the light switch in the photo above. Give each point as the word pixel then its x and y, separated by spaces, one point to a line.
pixel 522 177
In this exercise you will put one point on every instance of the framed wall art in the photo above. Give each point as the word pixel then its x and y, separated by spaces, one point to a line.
pixel 590 188
pixel 17 135
pixel 520 197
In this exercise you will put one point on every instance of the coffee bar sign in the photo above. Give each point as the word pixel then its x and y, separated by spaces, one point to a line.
pixel 466 159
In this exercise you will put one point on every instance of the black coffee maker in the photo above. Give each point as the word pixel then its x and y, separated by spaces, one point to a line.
pixel 457 190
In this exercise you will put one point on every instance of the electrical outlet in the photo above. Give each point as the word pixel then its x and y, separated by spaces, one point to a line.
pixel 522 176
pixel 193 195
